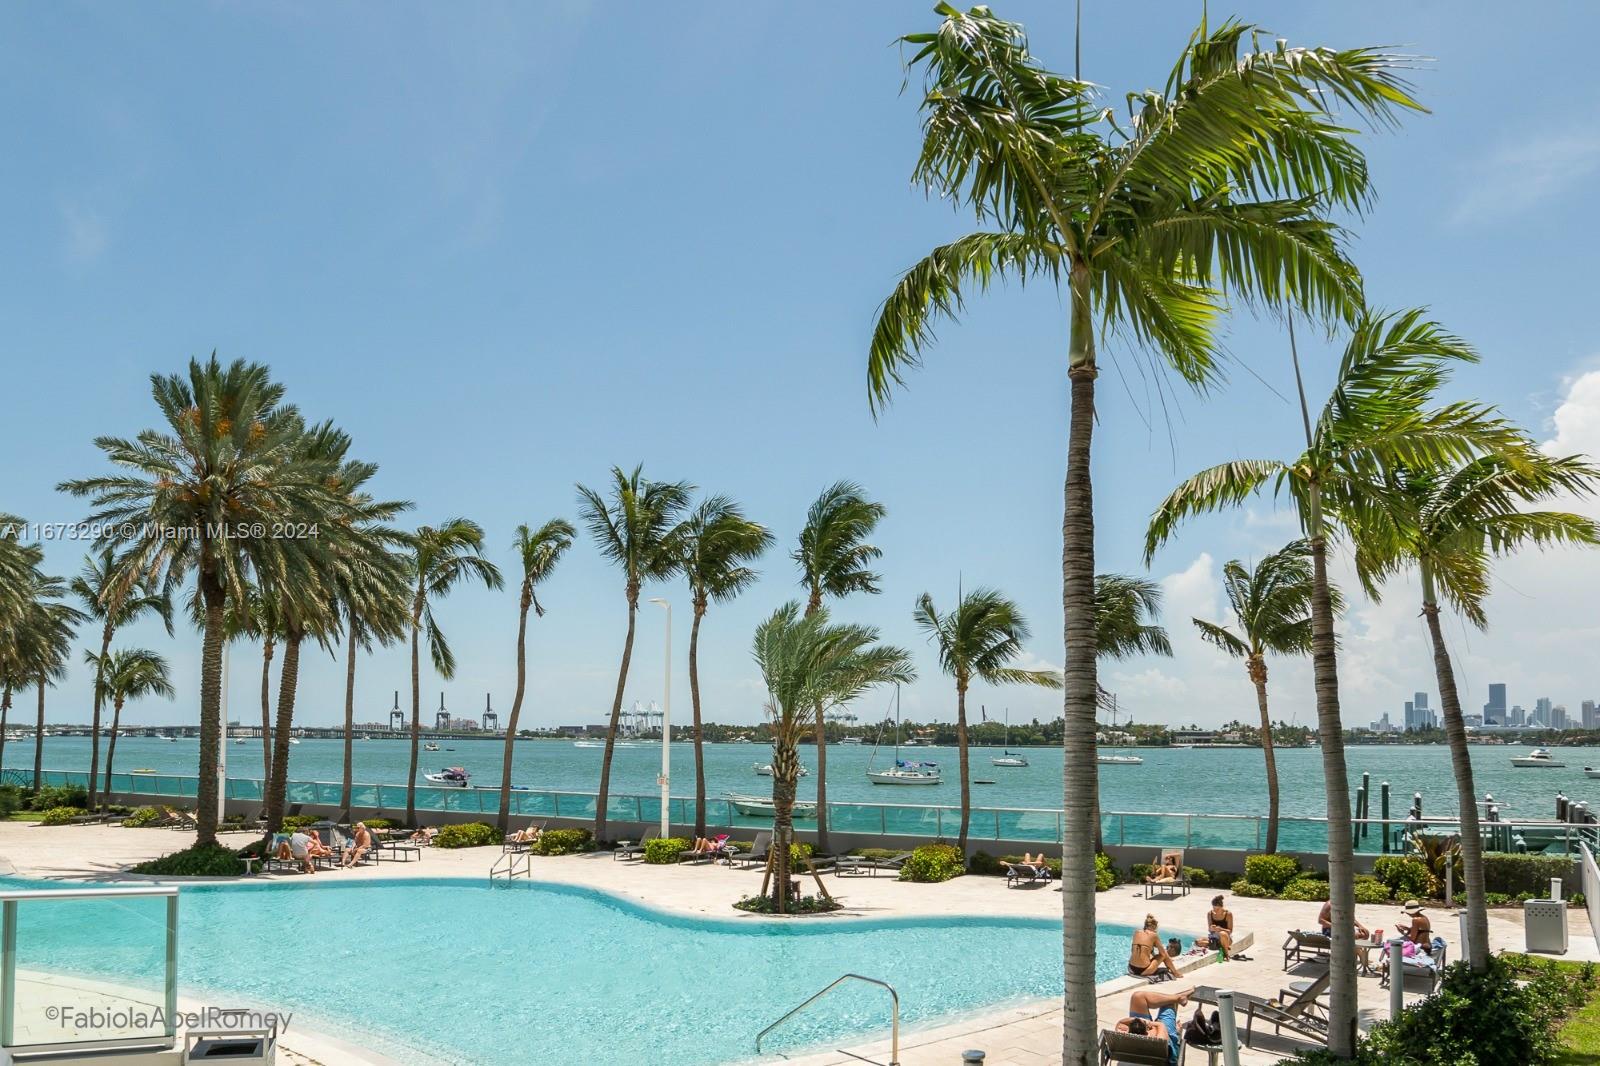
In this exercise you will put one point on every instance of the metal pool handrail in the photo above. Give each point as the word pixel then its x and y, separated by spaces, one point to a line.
pixel 894 997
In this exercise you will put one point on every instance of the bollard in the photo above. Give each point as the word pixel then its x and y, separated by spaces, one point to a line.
pixel 971 1056
pixel 1230 1029
pixel 1383 807
pixel 1366 803
pixel 1357 825
pixel 1449 883
pixel 1416 805
pixel 1561 807
pixel 1555 888
pixel 1397 978
pixel 1466 936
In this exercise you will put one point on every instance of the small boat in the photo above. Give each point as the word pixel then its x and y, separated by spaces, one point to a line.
pixel 1119 760
pixel 854 742
pixel 1010 758
pixel 430 746
pixel 1590 771
pixel 294 740
pixel 906 772
pixel 449 777
pixel 142 770
pixel 765 769
pixel 761 806
pixel 238 740
pixel 1539 757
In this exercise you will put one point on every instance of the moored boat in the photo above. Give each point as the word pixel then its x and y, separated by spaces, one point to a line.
pixel 449 777
pixel 765 769
pixel 762 807
pixel 1539 757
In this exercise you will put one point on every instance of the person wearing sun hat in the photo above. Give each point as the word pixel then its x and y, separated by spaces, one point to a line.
pixel 1418 930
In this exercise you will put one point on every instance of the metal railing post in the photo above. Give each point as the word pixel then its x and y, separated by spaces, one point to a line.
pixel 1188 830
pixel 171 989
pixel 8 974
pixel 1397 978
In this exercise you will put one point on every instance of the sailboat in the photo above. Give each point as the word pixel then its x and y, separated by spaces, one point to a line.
pixel 1117 760
pixel 1009 758
pixel 904 771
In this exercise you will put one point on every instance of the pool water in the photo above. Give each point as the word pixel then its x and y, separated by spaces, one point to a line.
pixel 463 972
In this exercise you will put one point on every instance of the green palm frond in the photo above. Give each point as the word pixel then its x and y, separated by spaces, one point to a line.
pixel 833 554
pixel 1223 485
pixel 980 639
pixel 718 542
pixel 1124 607
pixel 1212 633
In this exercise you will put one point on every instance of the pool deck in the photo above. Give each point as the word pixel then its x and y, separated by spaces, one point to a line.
pixel 1023 1034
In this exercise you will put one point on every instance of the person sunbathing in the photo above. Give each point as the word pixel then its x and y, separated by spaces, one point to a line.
pixel 1162 872
pixel 424 835
pixel 1152 1013
pixel 315 846
pixel 529 835
pixel 359 847
pixel 1149 957
pixel 1419 930
pixel 1325 923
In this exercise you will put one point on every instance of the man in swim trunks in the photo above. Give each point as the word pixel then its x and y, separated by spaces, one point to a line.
pixel 1152 1013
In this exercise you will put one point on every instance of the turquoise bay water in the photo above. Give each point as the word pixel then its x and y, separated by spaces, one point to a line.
pixel 530 972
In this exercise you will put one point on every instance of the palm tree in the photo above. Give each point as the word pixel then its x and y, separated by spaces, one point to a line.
pixel 978 640
pixel 258 617
pixel 52 623
pixel 1272 612
pixel 372 591
pixel 638 529
pixel 206 494
pixel 1222 185
pixel 127 674
pixel 1124 611
pixel 1375 418
pixel 94 587
pixel 442 557
pixel 719 540
pixel 809 665
pixel 539 551
pixel 1449 523
pixel 836 560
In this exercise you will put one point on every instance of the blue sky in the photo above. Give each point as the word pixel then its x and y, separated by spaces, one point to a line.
pixel 507 247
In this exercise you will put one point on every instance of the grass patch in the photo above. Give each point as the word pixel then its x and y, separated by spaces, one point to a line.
pixel 1580 1038
pixel 24 816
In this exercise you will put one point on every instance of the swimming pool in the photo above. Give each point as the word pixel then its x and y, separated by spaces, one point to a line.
pixel 466 972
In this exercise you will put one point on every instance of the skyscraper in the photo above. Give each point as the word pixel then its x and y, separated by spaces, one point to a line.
pixel 1541 712
pixel 1411 716
pixel 1591 715
pixel 1558 716
pixel 1494 712
pixel 1519 717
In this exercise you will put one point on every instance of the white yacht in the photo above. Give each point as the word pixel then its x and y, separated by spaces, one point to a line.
pixel 765 769
pixel 904 771
pixel 1537 758
pixel 854 742
pixel 449 777
pixel 762 807
pixel 1590 771
pixel 1119 760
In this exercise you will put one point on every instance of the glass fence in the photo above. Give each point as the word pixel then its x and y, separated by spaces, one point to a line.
pixel 1233 832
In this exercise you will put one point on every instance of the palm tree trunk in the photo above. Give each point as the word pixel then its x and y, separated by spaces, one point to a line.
pixel 416 707
pixel 214 596
pixel 516 712
pixel 349 721
pixel 5 710
pixel 38 743
pixel 966 777
pixel 111 742
pixel 616 718
pixel 1258 676
pixel 785 775
pixel 1080 773
pixel 288 681
pixel 699 731
pixel 266 710
pixel 813 604
pixel 94 726
pixel 1455 732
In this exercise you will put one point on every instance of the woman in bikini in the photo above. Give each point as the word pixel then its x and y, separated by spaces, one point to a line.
pixel 1148 957
pixel 1220 921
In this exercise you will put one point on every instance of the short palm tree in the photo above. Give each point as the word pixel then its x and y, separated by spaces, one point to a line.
pixel 978 641
pixel 1271 607
pixel 807 663
pixel 205 494
pixel 442 557
pixel 1449 523
pixel 95 587
pixel 719 541
pixel 538 550
pixel 1125 610
pixel 39 646
pixel 636 526
pixel 1376 417
pixel 836 560
pixel 1221 185
pixel 123 675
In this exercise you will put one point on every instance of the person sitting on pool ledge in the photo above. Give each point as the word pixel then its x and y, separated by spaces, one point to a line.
pixel 1220 921
pixel 1152 1013
pixel 1148 958
pixel 1325 923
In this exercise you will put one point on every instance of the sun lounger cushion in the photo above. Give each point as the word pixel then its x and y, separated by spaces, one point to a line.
pixel 1138 1050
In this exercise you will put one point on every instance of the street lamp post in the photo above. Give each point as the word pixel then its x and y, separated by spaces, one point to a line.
pixel 665 780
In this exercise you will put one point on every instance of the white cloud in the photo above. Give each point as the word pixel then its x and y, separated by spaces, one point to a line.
pixel 85 233
pixel 1576 420
pixel 1528 171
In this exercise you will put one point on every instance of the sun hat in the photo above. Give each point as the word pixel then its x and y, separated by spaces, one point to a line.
pixel 1412 907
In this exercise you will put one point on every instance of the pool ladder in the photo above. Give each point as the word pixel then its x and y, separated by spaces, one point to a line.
pixel 513 864
pixel 894 1000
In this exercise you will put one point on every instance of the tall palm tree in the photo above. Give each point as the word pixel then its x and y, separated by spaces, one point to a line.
pixel 53 624
pixel 94 587
pixel 835 560
pixel 1377 416
pixel 205 494
pixel 1449 523
pixel 978 640
pixel 442 557
pixel 19 566
pixel 807 663
pixel 719 540
pixel 637 528
pixel 539 550
pixel 373 594
pixel 258 617
pixel 127 674
pixel 1221 185
pixel 1272 614
pixel 1125 609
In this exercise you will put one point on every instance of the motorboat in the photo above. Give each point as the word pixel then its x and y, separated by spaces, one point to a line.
pixel 907 772
pixel 1119 760
pixel 1590 771
pixel 854 742
pixel 430 746
pixel 449 777
pixel 762 807
pixel 294 740
pixel 1010 758
pixel 1538 757
pixel 238 740
pixel 765 769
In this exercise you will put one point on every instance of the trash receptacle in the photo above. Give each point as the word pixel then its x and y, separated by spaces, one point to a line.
pixel 1545 926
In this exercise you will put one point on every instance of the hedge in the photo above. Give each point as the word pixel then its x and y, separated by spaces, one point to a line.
pixel 1271 872
pixel 1514 874
pixel 52 796
pixel 932 863
pixel 202 860
pixel 142 817
pixel 61 815
pixel 1305 890
pixel 664 851
pixel 470 835
pixel 1406 877
pixel 563 842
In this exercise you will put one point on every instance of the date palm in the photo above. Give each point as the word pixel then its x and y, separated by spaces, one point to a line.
pixel 836 560
pixel 123 675
pixel 538 550
pixel 96 588
pixel 636 526
pixel 1220 185
pixel 1449 523
pixel 17 560
pixel 442 557
pixel 979 640
pixel 1271 607
pixel 1376 417
pixel 210 494
pixel 718 543
pixel 809 665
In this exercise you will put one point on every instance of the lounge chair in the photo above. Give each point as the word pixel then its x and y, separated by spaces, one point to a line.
pixel 1027 873
pixel 395 848
pixel 860 865
pixel 1429 968
pixel 514 843
pixel 758 851
pixel 1126 1047
pixel 720 849
pixel 634 850
pixel 1168 889
pixel 1306 947
pixel 180 819
pixel 1303 1015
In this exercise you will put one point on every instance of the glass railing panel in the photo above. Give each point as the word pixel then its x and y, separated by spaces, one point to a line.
pixel 918 821
pixel 1232 834
pixel 1026 825
pixel 1303 834
pixel 1152 830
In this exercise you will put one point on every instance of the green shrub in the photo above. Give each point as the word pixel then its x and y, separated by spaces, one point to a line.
pixel 1271 872
pixel 299 821
pixel 470 835
pixel 61 815
pixel 564 842
pixel 1105 872
pixel 1574 900
pixel 1138 872
pixel 1305 889
pixel 1370 891
pixel 933 862
pixel 983 864
pixel 379 823
pixel 142 817
pixel 879 854
pixel 10 800
pixel 1407 878
pixel 1496 899
pixel 1249 891
pixel 202 860
pixel 803 905
pixel 53 796
pixel 799 851
pixel 1525 873
pixel 664 851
